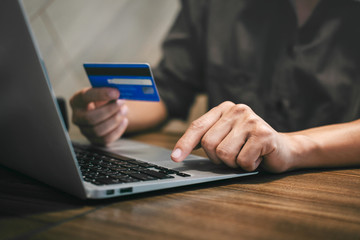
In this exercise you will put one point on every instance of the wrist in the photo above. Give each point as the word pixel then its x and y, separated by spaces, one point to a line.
pixel 302 152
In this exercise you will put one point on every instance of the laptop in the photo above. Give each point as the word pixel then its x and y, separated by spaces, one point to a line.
pixel 35 142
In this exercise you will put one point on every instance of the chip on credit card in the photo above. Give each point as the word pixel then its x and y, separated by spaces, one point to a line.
pixel 134 80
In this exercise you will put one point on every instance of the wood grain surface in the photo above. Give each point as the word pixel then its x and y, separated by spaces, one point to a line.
pixel 307 204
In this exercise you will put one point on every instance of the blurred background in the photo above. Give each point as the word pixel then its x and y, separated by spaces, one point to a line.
pixel 71 32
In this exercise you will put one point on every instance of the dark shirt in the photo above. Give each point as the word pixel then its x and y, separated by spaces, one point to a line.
pixel 252 52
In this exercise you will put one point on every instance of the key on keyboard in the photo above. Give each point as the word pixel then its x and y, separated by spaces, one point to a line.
pixel 102 168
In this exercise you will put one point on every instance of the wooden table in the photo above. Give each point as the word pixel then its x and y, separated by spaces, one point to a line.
pixel 308 204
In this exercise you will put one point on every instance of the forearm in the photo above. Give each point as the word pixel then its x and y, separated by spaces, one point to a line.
pixel 144 115
pixel 329 146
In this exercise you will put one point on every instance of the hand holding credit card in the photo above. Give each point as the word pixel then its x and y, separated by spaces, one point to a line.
pixel 134 80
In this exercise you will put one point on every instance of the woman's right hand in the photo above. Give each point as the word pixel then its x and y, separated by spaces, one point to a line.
pixel 100 115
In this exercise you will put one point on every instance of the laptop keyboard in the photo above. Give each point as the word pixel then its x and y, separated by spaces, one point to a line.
pixel 101 168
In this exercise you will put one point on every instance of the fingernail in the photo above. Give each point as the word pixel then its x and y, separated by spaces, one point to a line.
pixel 176 153
pixel 124 110
pixel 125 122
pixel 113 94
pixel 120 102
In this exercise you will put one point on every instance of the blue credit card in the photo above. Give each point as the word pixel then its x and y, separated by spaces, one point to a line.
pixel 134 80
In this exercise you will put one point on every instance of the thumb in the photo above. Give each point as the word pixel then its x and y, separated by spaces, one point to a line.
pixel 82 98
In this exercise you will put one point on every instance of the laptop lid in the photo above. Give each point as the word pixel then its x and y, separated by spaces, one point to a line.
pixel 33 137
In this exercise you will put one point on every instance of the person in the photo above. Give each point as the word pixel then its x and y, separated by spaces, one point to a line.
pixel 282 79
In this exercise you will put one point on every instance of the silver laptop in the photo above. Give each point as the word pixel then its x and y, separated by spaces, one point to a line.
pixel 34 139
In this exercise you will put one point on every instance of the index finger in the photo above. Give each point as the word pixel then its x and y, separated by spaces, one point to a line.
pixel 83 97
pixel 195 132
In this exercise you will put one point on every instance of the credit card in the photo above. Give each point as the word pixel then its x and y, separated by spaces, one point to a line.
pixel 135 81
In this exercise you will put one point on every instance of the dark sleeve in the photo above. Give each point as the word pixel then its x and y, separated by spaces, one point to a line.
pixel 179 74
